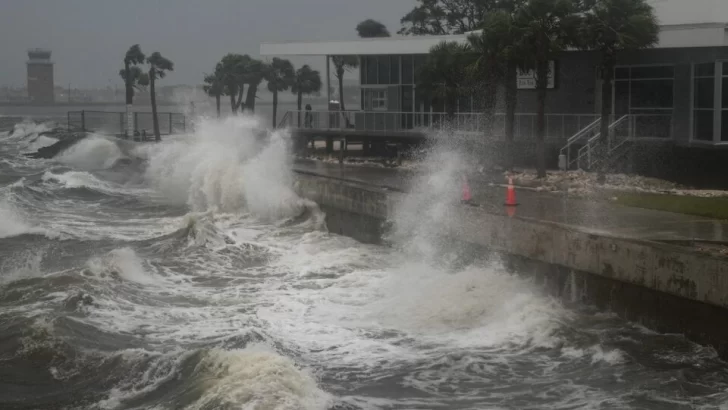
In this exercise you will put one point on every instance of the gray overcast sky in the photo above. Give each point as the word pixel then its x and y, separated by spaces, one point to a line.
pixel 89 37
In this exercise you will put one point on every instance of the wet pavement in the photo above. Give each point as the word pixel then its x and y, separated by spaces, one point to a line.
pixel 595 216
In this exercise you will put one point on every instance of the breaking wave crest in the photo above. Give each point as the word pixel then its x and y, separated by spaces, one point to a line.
pixel 230 165
pixel 92 153
pixel 13 223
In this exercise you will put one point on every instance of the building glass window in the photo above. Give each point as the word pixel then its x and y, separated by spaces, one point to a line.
pixel 704 101
pixel 375 99
pixel 371 70
pixel 383 69
pixel 419 61
pixel 394 70
pixel 407 70
pixel 648 93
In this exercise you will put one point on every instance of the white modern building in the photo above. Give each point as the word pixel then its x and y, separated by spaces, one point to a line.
pixel 673 95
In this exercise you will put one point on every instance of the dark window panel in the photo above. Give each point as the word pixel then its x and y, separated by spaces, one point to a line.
pixel 621 73
pixel 653 72
pixel 394 70
pixel 652 94
pixel 703 125
pixel 725 92
pixel 704 93
pixel 465 104
pixel 363 71
pixel 407 70
pixel 419 61
pixel 724 127
pixel 407 103
pixel 725 68
pixel 371 70
pixel 621 97
pixel 383 70
pixel 705 70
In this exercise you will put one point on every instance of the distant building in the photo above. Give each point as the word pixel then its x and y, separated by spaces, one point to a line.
pixel 40 75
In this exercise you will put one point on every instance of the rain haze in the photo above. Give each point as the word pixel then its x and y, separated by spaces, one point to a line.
pixel 528 213
pixel 88 38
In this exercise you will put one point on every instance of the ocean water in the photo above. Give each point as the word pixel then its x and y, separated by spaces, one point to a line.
pixel 189 275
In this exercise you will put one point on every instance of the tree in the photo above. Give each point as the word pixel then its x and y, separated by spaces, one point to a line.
pixel 214 86
pixel 132 58
pixel 444 74
pixel 612 26
pixel 342 64
pixel 131 75
pixel 499 48
pixel 371 28
pixel 307 81
pixel 547 28
pixel 254 72
pixel 232 69
pixel 439 17
pixel 280 77
pixel 158 67
pixel 138 78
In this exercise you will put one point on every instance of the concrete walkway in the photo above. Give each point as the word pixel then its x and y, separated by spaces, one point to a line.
pixel 597 217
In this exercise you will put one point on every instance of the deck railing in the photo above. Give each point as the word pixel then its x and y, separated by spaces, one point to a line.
pixel 110 122
pixel 558 126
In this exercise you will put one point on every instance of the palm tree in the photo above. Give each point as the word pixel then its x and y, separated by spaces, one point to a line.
pixel 342 64
pixel 138 78
pixel 214 86
pixel 611 26
pixel 498 46
pixel 232 69
pixel 307 81
pixel 254 73
pixel 158 67
pixel 280 77
pixel 547 30
pixel 132 58
pixel 371 28
pixel 445 73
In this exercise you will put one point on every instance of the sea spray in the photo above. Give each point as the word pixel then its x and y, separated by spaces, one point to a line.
pixel 228 165
pixel 92 153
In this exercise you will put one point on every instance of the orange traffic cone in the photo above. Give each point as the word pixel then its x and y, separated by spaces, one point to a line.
pixel 467 197
pixel 511 194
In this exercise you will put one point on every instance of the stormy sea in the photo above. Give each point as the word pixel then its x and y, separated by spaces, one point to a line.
pixel 187 274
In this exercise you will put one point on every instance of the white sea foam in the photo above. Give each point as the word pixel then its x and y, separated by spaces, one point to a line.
pixel 229 166
pixel 256 378
pixel 40 142
pixel 92 153
pixel 25 129
pixel 124 264
pixel 77 179
pixel 14 223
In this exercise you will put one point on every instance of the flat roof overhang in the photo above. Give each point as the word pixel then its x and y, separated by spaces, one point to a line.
pixel 671 36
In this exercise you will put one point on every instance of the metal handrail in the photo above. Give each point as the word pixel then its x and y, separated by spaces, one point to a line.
pixel 566 149
pixel 586 150
pixel 282 123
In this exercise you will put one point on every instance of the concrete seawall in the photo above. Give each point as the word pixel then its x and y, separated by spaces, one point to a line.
pixel 665 287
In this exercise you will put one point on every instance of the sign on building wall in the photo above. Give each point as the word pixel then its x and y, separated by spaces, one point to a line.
pixel 527 79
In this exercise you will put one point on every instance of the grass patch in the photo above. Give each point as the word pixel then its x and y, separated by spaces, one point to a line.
pixel 716 208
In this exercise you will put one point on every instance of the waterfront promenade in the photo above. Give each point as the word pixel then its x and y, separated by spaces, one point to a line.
pixel 600 217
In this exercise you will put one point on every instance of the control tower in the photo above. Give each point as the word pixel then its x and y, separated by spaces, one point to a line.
pixel 40 75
